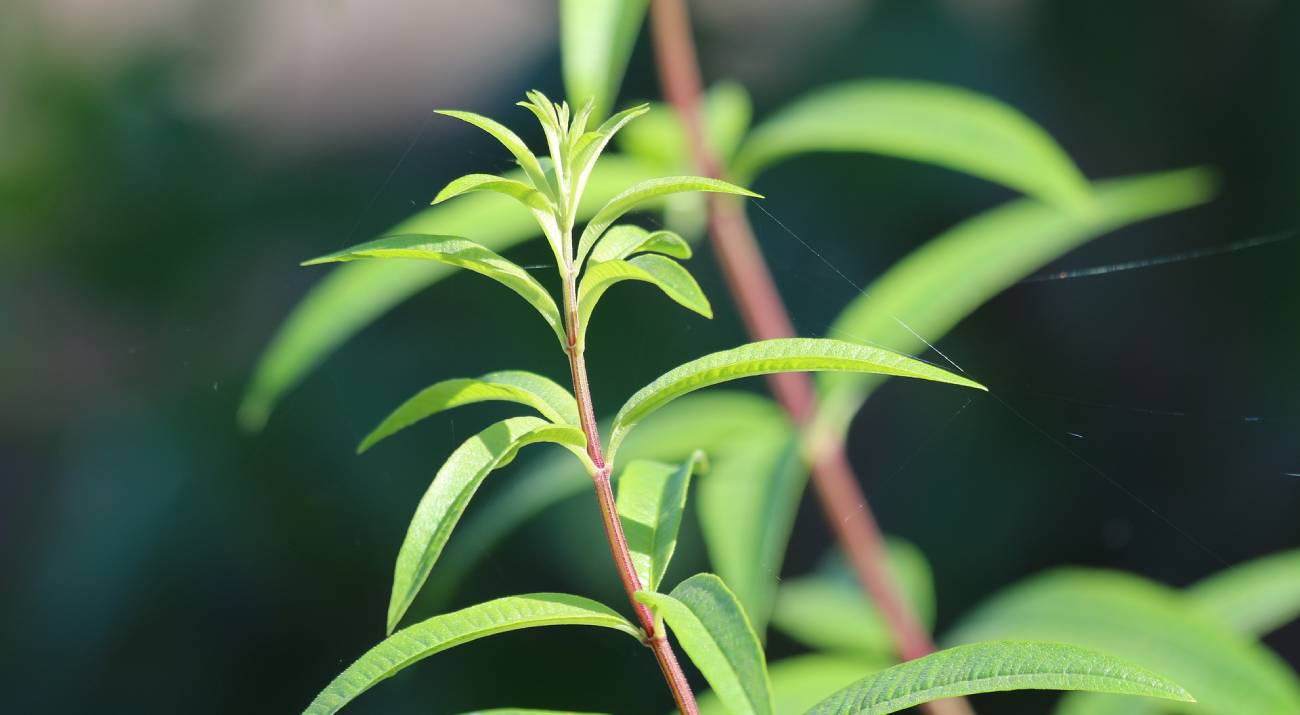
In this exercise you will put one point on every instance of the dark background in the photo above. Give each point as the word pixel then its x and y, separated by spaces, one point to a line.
pixel 164 166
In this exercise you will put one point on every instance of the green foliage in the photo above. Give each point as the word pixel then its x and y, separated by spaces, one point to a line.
pixel 417 642
pixel 622 241
pixel 991 667
pixel 1255 597
pixel 596 38
pixel 664 273
pixel 711 625
pixel 651 500
pixel 801 682
pixel 659 138
pixel 517 190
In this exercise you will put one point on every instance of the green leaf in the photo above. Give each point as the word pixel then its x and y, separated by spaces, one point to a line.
pixel 625 239
pixel 517 190
pixel 766 357
pixel 948 126
pixel 712 628
pixel 644 191
pixel 827 610
pixel 801 682
pixel 1148 624
pixel 943 281
pixel 440 633
pixel 461 253
pixel 593 143
pixel 596 39
pixel 455 484
pixel 1256 597
pixel 356 294
pixel 525 388
pixel 993 667
pixel 516 146
pixel 651 499
pixel 665 273
pixel 659 137
pixel 526 711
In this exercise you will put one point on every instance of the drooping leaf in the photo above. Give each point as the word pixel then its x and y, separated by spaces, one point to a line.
pixel 992 667
pixel 1148 624
pixel 461 253
pixel 624 240
pixel 659 137
pixel 651 499
pixel 542 394
pixel 801 682
pixel 439 633
pixel 1256 597
pixel 454 485
pixel 511 141
pixel 766 357
pixel 355 294
pixel 711 627
pixel 948 126
pixel 517 190
pixel 664 273
pixel 596 39
pixel 827 611
pixel 936 286
pixel 631 197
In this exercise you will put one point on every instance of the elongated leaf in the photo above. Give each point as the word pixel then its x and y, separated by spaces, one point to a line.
pixel 1256 597
pixel 936 286
pixel 355 294
pixel 517 190
pixel 659 137
pixel 712 628
pixel 828 611
pixel 801 682
pixel 625 240
pixel 596 39
pixel 461 253
pixel 459 477
pixel 526 711
pixel 651 499
pixel 1148 624
pixel 644 191
pixel 664 273
pixel 948 126
pixel 439 633
pixel 516 146
pixel 766 357
pixel 992 667
pixel 525 388
pixel 588 148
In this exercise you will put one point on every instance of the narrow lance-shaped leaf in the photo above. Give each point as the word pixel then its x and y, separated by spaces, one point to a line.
pixel 454 485
pixel 664 273
pixel 993 667
pixel 802 681
pixel 644 191
pixel 419 641
pixel 517 190
pixel 596 39
pixel 516 146
pixel 711 627
pixel 651 499
pixel 525 388
pixel 527 711
pixel 356 294
pixel 461 253
pixel 587 148
pixel 948 126
pixel 936 286
pixel 626 239
pixel 766 357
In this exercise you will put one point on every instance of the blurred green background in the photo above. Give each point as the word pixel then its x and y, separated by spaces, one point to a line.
pixel 164 165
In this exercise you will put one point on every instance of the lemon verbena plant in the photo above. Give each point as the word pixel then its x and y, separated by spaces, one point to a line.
pixel 641 522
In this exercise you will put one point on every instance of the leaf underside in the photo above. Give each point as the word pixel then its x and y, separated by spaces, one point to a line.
pixel 651 500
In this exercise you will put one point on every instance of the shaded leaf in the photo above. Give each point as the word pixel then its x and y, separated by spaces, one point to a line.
pixel 766 357
pixel 664 273
pixel 651 499
pixel 801 682
pixel 596 39
pixel 517 190
pixel 711 627
pixel 542 394
pixel 454 485
pixel 624 240
pixel 439 633
pixel 948 126
pixel 993 667
pixel 525 711
pixel 660 138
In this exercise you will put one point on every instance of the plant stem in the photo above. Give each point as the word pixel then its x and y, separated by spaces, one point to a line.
pixel 655 638
pixel 843 503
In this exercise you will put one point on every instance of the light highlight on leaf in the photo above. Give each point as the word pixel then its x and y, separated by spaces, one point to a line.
pixel 624 240
pixel 651 499
pixel 596 39
pixel 517 190
pixel 664 273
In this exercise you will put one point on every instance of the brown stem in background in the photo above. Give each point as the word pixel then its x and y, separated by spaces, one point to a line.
pixel 765 317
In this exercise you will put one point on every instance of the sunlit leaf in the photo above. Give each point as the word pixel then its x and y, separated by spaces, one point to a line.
pixel 516 146
pixel 711 627
pixel 944 125
pixel 928 292
pixel 639 193
pixel 592 144
pixel 1148 624
pixel 356 294
pixel 624 240
pixel 801 682
pixel 541 393
pixel 439 633
pixel 517 190
pixel 454 485
pixel 992 667
pixel 651 499
pixel 766 357
pixel 596 38
pixel 461 253
pixel 664 273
